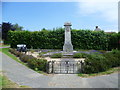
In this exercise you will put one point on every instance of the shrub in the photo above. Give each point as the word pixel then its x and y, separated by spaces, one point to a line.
pixel 102 51
pixel 95 64
pixel 80 55
pixel 114 41
pixel 24 58
pixel 56 55
pixel 18 53
pixel 32 62
pixel 113 58
pixel 77 55
pixel 12 50
pixel 40 64
pixel 31 57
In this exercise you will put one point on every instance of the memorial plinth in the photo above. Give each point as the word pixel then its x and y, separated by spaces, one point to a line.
pixel 68 47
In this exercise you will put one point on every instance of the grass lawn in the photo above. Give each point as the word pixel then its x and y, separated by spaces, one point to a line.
pixel 6 83
pixel 4 45
pixel 111 70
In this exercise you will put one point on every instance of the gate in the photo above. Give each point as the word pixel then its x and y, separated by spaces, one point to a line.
pixel 64 67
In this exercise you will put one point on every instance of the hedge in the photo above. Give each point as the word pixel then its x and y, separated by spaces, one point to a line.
pixel 80 55
pixel 114 41
pixel 54 39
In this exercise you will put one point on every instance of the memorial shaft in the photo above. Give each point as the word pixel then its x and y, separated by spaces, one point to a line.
pixel 68 47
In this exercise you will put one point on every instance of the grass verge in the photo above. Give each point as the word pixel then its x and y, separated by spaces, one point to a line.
pixel 111 70
pixel 6 83
pixel 4 45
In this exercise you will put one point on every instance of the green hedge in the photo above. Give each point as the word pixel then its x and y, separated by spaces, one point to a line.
pixel 80 55
pixel 114 41
pixel 43 39
pixel 54 39
pixel 101 62
pixel 56 55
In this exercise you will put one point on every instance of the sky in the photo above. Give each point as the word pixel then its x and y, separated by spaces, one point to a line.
pixel 83 14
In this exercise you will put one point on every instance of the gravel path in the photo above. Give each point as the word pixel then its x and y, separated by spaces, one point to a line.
pixel 24 76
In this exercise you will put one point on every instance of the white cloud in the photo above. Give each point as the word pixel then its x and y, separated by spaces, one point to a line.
pixel 108 10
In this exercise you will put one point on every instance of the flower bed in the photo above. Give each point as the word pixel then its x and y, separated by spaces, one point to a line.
pixel 32 62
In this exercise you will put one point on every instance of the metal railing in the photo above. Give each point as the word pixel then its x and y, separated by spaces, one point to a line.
pixel 64 67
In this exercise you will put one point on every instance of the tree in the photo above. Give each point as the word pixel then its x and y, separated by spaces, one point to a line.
pixel 5 28
pixel 17 27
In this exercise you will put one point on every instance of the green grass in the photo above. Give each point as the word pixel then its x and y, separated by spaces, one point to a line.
pixel 6 83
pixel 41 54
pixel 111 70
pixel 0 82
pixel 56 55
pixel 4 45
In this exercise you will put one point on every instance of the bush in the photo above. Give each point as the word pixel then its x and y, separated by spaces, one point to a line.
pixel 113 58
pixel 56 55
pixel 18 53
pixel 12 50
pixel 77 55
pixel 24 58
pixel 80 55
pixel 40 64
pixel 32 62
pixel 95 63
pixel 102 51
pixel 114 41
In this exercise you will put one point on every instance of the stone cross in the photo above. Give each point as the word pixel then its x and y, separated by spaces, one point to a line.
pixel 68 47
